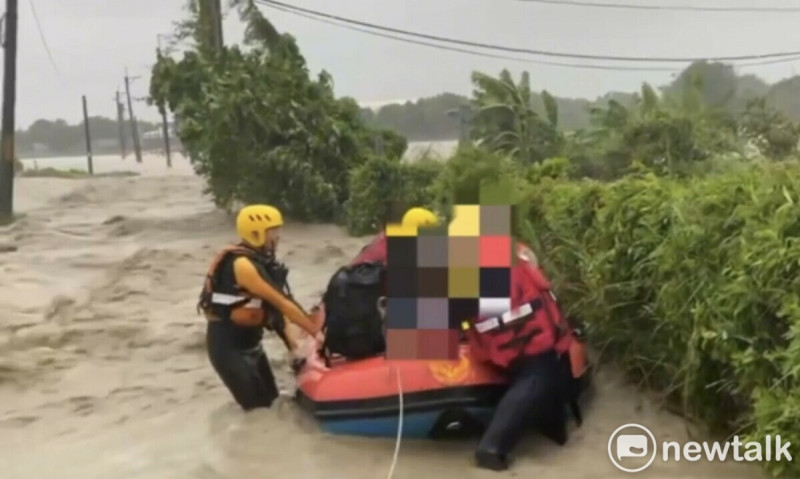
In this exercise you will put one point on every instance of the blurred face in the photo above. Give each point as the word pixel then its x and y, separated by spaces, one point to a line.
pixel 273 236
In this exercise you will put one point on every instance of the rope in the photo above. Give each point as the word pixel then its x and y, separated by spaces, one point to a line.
pixel 399 423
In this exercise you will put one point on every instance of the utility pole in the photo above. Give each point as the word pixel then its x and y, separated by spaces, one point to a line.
pixel 121 125
pixel 165 129
pixel 463 123
pixel 90 165
pixel 215 7
pixel 164 122
pixel 137 147
pixel 9 110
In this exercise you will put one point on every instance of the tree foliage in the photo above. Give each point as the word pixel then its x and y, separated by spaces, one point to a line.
pixel 720 88
pixel 664 134
pixel 769 130
pixel 505 120
pixel 258 127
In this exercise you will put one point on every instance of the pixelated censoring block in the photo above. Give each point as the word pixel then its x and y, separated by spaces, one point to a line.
pixel 425 310
pixel 423 345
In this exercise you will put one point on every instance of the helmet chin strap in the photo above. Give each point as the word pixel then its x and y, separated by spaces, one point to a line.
pixel 268 250
pixel 265 250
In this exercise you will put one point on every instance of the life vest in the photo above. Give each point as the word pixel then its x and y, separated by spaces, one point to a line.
pixel 221 299
pixel 533 326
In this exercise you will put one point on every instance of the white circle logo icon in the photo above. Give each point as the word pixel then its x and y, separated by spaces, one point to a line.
pixel 632 448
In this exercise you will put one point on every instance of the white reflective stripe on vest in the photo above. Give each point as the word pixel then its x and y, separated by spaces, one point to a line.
pixel 229 299
pixel 505 318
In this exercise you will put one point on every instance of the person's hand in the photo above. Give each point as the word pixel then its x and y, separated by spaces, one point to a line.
pixel 298 357
pixel 381 304
pixel 300 350
pixel 297 364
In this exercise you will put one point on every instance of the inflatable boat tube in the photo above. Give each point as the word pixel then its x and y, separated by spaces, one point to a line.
pixel 362 397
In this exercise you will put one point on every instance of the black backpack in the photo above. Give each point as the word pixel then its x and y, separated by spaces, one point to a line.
pixel 353 321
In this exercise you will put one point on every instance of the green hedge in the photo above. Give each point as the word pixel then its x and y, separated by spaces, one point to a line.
pixel 382 188
pixel 691 285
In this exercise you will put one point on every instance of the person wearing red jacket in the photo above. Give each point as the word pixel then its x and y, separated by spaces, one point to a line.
pixel 532 342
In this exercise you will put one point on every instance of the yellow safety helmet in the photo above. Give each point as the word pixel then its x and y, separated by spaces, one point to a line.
pixel 419 217
pixel 252 221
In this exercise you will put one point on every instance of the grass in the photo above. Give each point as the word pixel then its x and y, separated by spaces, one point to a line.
pixel 72 174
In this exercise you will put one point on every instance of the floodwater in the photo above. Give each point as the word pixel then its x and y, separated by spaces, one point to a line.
pixel 103 372
pixel 156 162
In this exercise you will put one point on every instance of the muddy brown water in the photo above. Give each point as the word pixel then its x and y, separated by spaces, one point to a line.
pixel 103 372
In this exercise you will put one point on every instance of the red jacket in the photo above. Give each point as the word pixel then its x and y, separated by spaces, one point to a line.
pixel 535 321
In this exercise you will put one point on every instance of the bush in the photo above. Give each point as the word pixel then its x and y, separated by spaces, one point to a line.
pixel 470 169
pixel 383 188
pixel 693 287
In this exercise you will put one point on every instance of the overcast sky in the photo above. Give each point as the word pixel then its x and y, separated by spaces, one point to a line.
pixel 93 41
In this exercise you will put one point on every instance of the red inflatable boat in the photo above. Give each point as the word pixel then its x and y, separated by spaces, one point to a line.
pixel 363 397
pixel 435 399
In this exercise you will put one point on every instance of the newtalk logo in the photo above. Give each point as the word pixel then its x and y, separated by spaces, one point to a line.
pixel 633 448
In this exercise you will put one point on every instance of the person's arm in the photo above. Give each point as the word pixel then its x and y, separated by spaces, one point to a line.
pixel 290 334
pixel 247 277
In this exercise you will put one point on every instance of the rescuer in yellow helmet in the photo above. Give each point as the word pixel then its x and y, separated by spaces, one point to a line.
pixel 413 219
pixel 419 218
pixel 244 292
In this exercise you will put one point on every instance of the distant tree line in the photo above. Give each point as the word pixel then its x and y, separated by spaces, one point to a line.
pixel 59 138
pixel 435 118
pixel 427 119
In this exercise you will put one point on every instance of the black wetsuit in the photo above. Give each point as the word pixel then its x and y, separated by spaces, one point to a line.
pixel 235 351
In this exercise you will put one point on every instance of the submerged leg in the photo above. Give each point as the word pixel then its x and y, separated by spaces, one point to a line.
pixel 533 398
pixel 267 377
pixel 244 373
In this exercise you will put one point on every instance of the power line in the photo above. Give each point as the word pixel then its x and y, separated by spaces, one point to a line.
pixel 674 8
pixel 511 58
pixel 546 53
pixel 42 37
pixel 472 52
pixel 507 57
